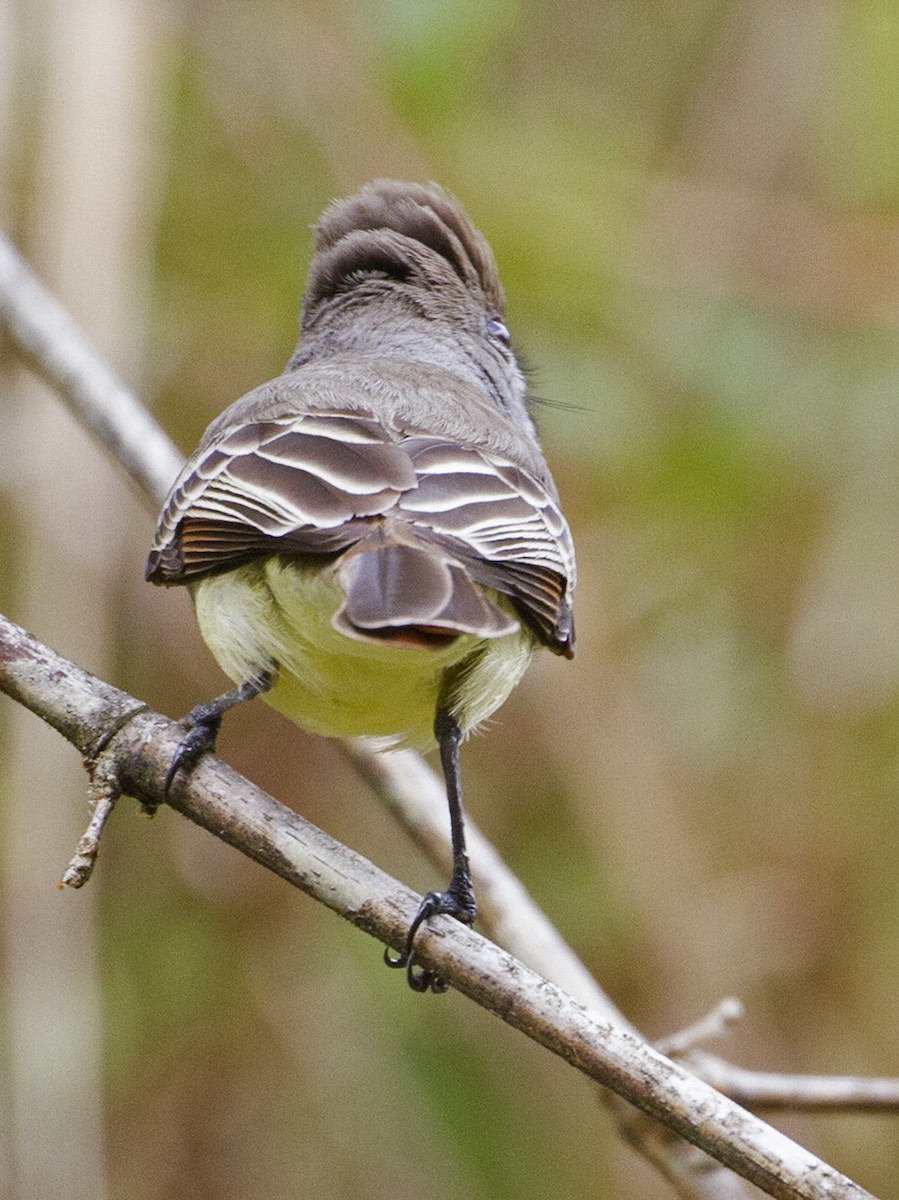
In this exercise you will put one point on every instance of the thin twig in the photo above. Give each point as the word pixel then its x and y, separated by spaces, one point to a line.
pixel 49 339
pixel 715 1024
pixel 798 1093
pixel 81 865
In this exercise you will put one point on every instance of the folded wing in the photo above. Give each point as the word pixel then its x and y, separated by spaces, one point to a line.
pixel 424 517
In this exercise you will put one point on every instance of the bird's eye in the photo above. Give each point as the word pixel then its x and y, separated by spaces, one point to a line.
pixel 498 329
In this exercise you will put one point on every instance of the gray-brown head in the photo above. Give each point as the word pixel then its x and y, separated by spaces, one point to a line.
pixel 400 270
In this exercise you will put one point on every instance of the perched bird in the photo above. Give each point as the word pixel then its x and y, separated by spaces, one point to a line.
pixel 373 540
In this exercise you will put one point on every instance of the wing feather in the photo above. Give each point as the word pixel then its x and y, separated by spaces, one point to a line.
pixel 314 483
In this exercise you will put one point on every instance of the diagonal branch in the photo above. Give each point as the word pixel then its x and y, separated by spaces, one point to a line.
pixel 47 337
pixel 86 710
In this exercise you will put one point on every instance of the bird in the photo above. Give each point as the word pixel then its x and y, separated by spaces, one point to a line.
pixel 373 540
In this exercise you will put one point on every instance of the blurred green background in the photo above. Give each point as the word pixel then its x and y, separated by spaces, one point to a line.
pixel 695 207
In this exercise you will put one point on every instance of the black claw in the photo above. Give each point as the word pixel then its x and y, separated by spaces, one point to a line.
pixel 457 901
pixel 200 738
pixel 425 981
pixel 202 723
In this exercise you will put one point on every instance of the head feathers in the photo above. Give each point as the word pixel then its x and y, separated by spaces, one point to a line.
pixel 405 232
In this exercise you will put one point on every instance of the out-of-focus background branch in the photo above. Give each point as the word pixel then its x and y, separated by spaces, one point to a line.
pixel 693 205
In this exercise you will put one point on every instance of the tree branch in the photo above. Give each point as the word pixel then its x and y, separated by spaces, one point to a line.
pixel 135 747
pixel 47 337
pixel 798 1093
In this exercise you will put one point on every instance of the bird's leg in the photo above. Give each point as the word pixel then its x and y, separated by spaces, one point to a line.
pixel 458 900
pixel 203 722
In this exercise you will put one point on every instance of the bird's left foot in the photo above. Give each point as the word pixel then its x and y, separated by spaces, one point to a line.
pixel 457 901
pixel 202 723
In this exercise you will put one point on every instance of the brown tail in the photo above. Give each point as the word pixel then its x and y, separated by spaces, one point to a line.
pixel 418 595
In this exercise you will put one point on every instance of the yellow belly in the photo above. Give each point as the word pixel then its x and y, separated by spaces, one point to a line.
pixel 279 613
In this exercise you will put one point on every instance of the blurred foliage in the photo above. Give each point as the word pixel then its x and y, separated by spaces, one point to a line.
pixel 693 203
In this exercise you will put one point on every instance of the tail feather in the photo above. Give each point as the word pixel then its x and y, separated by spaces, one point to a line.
pixel 397 591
